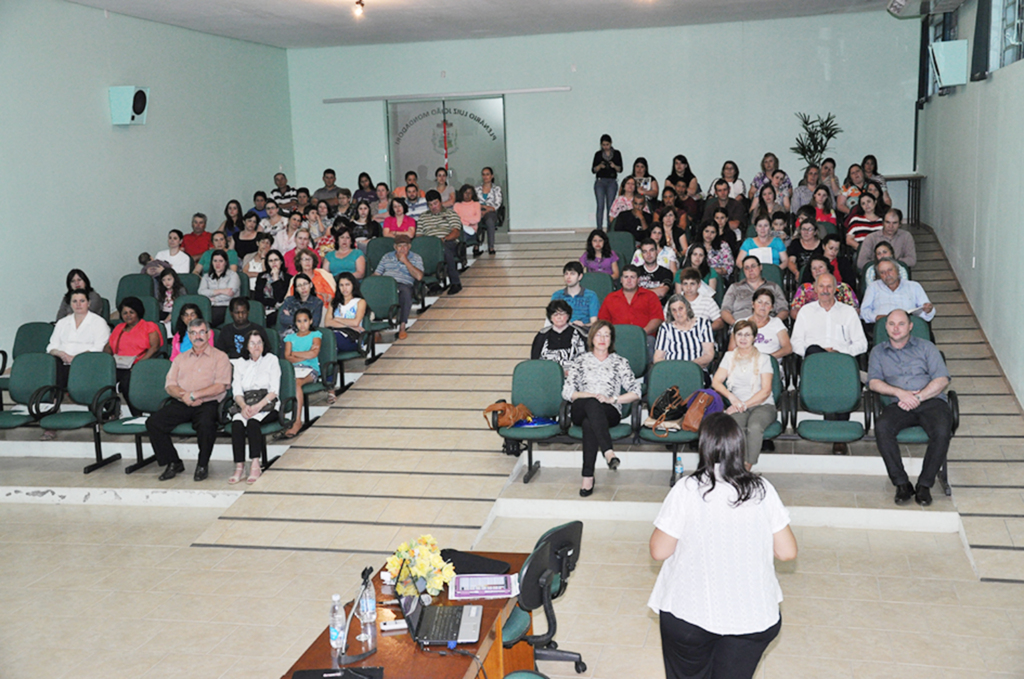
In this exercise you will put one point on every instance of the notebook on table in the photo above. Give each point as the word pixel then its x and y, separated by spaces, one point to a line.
pixel 430 625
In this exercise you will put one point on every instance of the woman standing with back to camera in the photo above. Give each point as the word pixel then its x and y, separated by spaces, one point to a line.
pixel 606 167
pixel 718 530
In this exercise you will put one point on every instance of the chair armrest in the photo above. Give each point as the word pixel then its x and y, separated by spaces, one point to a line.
pixel 783 408
pixel 51 394
pixel 440 271
pixel 954 406
pixel 105 404
pixel 868 397
pixel 223 418
pixel 393 315
pixel 565 415
pixel 3 361
pixel 288 412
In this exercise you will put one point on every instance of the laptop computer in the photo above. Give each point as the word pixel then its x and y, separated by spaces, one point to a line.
pixel 433 625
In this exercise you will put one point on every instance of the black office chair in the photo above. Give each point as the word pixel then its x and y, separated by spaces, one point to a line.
pixel 542 579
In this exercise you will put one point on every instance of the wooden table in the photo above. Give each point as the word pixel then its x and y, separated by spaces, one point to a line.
pixel 402 658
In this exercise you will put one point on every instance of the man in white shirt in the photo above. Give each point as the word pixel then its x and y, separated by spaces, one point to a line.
pixel 828 325
pixel 174 255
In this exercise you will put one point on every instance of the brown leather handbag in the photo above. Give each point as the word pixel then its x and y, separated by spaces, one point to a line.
pixel 504 414
pixel 699 401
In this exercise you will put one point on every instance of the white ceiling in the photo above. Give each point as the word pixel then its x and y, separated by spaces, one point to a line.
pixel 327 23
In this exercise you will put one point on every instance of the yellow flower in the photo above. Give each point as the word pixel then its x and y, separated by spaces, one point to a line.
pixel 448 572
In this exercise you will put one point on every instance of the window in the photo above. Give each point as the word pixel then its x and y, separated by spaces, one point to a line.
pixel 942 28
pixel 1011 24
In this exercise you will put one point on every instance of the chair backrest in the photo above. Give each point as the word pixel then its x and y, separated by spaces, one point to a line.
pixel 30 371
pixel 531 587
pixel 375 251
pixel 431 250
pixel 600 283
pixel 257 312
pixel 683 374
pixel 776 380
pixel 146 388
pixel 919 328
pixel 769 272
pixel 328 356
pixel 32 338
pixel 201 301
pixel 105 309
pixel 274 340
pixel 287 380
pixel 380 293
pixel 191 282
pixel 538 386
pixel 151 310
pixel 90 372
pixel 564 543
pixel 631 342
pixel 134 285
pixel 829 383
pixel 624 245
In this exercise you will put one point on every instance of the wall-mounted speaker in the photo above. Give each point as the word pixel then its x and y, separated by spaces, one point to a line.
pixel 128 105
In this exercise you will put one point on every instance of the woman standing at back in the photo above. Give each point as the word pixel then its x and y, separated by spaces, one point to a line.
pixel 718 530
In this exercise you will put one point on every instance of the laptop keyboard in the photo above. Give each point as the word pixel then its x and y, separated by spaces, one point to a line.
pixel 446 622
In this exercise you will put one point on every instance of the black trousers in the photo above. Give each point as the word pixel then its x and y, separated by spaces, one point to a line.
pixel 451 261
pixel 935 417
pixel 124 377
pixel 597 419
pixel 250 430
pixel 691 652
pixel 160 424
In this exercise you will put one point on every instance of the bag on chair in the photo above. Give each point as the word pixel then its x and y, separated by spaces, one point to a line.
pixel 699 405
pixel 666 412
pixel 507 414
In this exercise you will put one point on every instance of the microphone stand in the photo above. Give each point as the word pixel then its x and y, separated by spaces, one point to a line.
pixel 343 658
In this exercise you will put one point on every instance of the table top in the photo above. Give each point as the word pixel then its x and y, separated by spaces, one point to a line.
pixel 399 655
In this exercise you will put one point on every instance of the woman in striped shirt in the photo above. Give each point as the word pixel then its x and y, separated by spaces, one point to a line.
pixel 683 336
pixel 859 227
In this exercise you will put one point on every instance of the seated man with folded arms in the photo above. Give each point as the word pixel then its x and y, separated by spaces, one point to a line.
pixel 633 305
pixel 902 242
pixel 441 222
pixel 910 375
pixel 739 298
pixel 653 276
pixel 703 305
pixel 406 268
pixel 827 325
pixel 231 336
pixel 584 303
pixel 888 293
pixel 197 382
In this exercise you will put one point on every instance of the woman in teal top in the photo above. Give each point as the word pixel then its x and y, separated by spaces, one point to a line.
pixel 345 259
pixel 767 248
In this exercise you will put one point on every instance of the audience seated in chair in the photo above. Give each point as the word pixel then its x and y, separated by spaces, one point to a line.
pixel 443 223
pixel 699 297
pixel 272 286
pixel 633 305
pixel 562 341
pixel 198 241
pixel 134 339
pixel 257 369
pixel 684 336
pixel 304 297
pixel 349 309
pixel 77 280
pixel 903 248
pixel 653 276
pixel 220 284
pixel 806 293
pixel 406 268
pixel 232 337
pixel 827 324
pixel 301 348
pixel 739 298
pixel 218 241
pixel 584 304
pixel 178 258
pixel 599 256
pixel 772 336
pixel 890 292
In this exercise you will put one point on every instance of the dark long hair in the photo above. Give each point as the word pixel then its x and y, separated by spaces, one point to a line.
pixel 704 267
pixel 177 287
pixel 67 282
pixel 235 225
pixel 227 265
pixel 721 443
pixel 606 251
pixel 180 329
pixel 339 298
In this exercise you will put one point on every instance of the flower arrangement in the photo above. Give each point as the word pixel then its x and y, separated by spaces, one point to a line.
pixel 423 565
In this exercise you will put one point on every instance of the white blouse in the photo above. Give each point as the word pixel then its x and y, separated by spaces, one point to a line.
pixel 262 374
pixel 744 379
pixel 767 340
pixel 722 575
pixel 666 258
pixel 91 335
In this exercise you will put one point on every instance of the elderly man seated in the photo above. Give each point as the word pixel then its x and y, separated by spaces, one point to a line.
pixel 889 292
pixel 828 325
pixel 739 298
pixel 910 375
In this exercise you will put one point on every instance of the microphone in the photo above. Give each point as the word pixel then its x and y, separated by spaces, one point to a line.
pixel 343 657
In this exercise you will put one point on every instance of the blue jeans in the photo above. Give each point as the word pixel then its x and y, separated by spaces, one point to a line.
pixel 605 190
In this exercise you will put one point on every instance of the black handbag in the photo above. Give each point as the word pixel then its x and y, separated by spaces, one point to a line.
pixel 252 397
pixel 669 406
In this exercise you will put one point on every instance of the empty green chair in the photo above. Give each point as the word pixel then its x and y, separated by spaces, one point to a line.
pixel 190 281
pixel 624 245
pixel 134 285
pixel 688 378
pixel 32 383
pixel 31 338
pixel 600 283
pixel 538 386
pixel 91 380
pixel 631 343
pixel 829 385
pixel 381 295
pixel 431 249
pixel 146 392
pixel 375 251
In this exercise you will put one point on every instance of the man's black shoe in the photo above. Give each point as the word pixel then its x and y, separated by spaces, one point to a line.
pixel 454 289
pixel 201 473
pixel 904 492
pixel 172 470
pixel 923 496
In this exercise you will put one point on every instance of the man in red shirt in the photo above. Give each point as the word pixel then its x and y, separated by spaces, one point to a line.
pixel 197 242
pixel 633 305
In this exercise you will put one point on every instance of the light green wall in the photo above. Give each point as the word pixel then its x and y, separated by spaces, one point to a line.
pixel 971 144
pixel 711 92
pixel 78 192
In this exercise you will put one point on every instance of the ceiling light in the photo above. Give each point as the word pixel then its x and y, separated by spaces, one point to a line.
pixel 358 10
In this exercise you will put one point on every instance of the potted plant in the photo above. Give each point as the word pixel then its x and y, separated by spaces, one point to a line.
pixel 817 135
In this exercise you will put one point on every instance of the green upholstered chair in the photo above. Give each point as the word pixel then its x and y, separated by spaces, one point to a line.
pixel 542 579
pixel 538 386
pixel 328 358
pixel 917 435
pixel 829 385
pixel 200 301
pixel 151 310
pixel 600 283
pixel 32 383
pixel 190 281
pixel 375 251
pixel 431 249
pixel 688 377
pixel 623 244
pixel 631 343
pixel 146 393
pixel 30 338
pixel 381 295
pixel 919 328
pixel 274 344
pixel 134 285
pixel 91 380
pixel 769 272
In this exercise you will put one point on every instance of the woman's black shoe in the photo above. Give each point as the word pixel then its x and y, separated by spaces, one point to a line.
pixel 613 463
pixel 587 492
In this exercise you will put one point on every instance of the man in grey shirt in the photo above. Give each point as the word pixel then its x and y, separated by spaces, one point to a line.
pixel 911 373
pixel 804 193
pixel 901 241
pixel 329 192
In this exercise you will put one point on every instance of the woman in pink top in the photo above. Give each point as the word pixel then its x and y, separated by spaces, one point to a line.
pixel 399 222
pixel 468 209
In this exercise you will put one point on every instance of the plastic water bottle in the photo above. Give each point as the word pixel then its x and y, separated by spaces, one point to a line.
pixel 368 604
pixel 679 464
pixel 337 622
